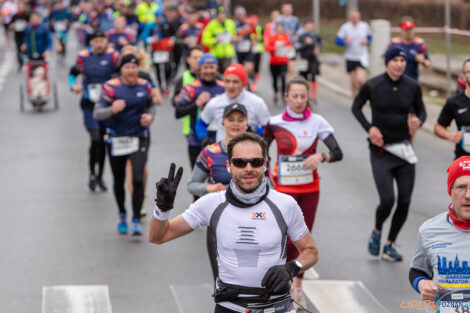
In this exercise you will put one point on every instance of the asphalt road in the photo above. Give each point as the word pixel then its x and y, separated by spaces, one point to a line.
pixel 54 232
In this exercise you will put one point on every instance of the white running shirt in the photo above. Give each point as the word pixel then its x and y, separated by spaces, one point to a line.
pixel 355 51
pixel 258 113
pixel 248 239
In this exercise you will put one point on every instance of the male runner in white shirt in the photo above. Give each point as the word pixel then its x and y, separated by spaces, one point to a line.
pixel 250 223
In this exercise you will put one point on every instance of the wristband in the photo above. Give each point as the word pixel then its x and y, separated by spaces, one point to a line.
pixel 293 269
pixel 416 282
pixel 161 215
pixel 324 157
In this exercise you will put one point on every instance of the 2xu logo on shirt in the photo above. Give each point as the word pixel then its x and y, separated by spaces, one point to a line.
pixel 258 216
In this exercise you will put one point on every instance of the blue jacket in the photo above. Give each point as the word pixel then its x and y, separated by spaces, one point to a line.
pixel 96 69
pixel 138 100
pixel 37 39
pixel 186 103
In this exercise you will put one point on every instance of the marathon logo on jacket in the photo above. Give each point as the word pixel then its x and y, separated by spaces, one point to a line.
pixel 453 282
pixel 441 245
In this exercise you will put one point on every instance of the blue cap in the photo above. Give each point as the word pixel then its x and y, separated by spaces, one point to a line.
pixel 208 58
pixel 393 52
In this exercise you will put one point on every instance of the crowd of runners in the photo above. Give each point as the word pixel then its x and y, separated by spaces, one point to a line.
pixel 134 55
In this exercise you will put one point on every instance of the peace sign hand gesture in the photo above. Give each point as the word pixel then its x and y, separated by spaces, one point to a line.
pixel 166 188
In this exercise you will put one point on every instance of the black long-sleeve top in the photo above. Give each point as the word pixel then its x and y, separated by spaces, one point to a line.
pixel 391 102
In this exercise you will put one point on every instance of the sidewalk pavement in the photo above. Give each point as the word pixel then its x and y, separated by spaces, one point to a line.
pixel 334 77
pixel 438 61
pixel 433 78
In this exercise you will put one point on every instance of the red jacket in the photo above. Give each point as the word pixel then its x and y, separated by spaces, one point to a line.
pixel 273 43
pixel 164 44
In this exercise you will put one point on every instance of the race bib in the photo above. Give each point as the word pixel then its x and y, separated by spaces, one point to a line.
pixel 453 301
pixel 94 92
pixel 161 57
pixel 124 145
pixel 244 46
pixel 302 65
pixel 292 170
pixel 60 26
pixel 20 25
pixel 403 150
pixel 224 38
pixel 282 51
pixel 465 143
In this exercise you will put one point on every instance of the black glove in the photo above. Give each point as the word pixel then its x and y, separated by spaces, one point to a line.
pixel 277 278
pixel 205 141
pixel 166 189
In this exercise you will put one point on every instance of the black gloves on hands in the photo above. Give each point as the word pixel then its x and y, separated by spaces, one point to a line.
pixel 277 278
pixel 166 189
pixel 205 141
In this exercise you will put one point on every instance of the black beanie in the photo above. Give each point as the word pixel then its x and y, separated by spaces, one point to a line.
pixel 393 52
pixel 129 58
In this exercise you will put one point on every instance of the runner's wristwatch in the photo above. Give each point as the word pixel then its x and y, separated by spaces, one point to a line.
pixel 299 265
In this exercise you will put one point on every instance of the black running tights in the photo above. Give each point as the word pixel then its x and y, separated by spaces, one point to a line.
pixel 97 152
pixel 167 69
pixel 118 167
pixel 386 168
pixel 278 72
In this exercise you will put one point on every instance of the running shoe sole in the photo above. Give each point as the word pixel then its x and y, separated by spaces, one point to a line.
pixel 386 257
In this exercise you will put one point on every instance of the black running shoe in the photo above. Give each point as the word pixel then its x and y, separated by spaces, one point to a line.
pixel 92 183
pixel 101 184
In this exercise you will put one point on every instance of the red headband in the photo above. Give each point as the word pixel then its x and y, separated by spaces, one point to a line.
pixel 407 25
pixel 238 70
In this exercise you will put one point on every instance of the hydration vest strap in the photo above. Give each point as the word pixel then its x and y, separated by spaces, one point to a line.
pixel 282 225
pixel 215 220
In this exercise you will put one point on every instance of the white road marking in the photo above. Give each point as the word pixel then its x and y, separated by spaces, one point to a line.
pixel 76 299
pixel 330 296
pixel 311 274
pixel 193 298
pixel 6 66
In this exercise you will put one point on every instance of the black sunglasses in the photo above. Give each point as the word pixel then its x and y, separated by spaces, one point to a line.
pixel 241 162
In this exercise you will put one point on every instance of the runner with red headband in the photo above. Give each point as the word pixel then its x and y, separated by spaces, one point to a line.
pixel 415 48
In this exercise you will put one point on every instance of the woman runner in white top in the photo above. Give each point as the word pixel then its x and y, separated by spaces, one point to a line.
pixel 297 131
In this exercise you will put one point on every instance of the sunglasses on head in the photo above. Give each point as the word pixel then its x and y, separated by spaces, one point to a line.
pixel 241 162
